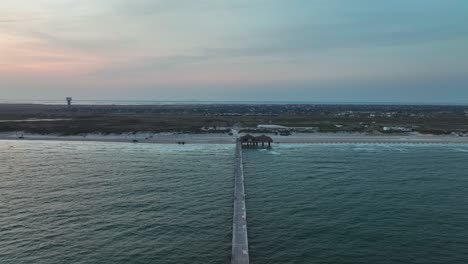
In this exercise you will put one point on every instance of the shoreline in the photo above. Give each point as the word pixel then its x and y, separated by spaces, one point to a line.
pixel 297 138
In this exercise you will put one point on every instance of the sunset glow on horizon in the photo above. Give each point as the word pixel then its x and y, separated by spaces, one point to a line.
pixel 317 50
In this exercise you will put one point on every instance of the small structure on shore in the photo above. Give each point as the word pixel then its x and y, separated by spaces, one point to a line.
pixel 252 141
pixel 69 100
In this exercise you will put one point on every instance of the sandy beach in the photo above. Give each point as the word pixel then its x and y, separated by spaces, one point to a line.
pixel 366 138
pixel 157 138
pixel 298 138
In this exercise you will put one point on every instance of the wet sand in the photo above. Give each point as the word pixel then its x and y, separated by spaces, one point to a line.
pixel 366 138
pixel 163 138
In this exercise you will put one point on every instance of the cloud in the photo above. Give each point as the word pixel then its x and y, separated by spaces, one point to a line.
pixel 225 42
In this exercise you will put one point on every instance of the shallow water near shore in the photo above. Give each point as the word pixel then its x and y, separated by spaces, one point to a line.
pixel 358 203
pixel 103 202
pixel 88 202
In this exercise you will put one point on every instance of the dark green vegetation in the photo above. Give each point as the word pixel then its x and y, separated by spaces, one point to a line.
pixel 191 118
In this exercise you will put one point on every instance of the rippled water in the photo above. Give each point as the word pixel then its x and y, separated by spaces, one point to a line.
pixel 358 204
pixel 85 202
pixel 71 202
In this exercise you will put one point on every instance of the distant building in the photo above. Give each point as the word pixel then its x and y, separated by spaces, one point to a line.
pixel 278 128
pixel 272 127
pixel 215 128
pixel 397 129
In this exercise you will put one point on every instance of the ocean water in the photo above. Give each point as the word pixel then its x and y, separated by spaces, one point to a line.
pixel 366 203
pixel 87 202
pixel 72 202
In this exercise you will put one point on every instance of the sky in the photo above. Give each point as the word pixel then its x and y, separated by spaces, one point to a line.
pixel 403 51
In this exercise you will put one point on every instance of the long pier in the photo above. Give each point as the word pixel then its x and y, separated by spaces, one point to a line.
pixel 240 244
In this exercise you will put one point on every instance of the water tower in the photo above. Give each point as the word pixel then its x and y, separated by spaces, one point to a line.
pixel 69 100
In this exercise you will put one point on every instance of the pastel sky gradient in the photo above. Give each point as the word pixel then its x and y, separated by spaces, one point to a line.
pixel 298 50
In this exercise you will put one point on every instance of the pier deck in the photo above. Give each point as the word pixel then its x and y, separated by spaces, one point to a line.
pixel 240 245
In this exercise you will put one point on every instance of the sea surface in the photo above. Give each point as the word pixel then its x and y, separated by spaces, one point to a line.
pixel 357 203
pixel 89 202
pixel 72 202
